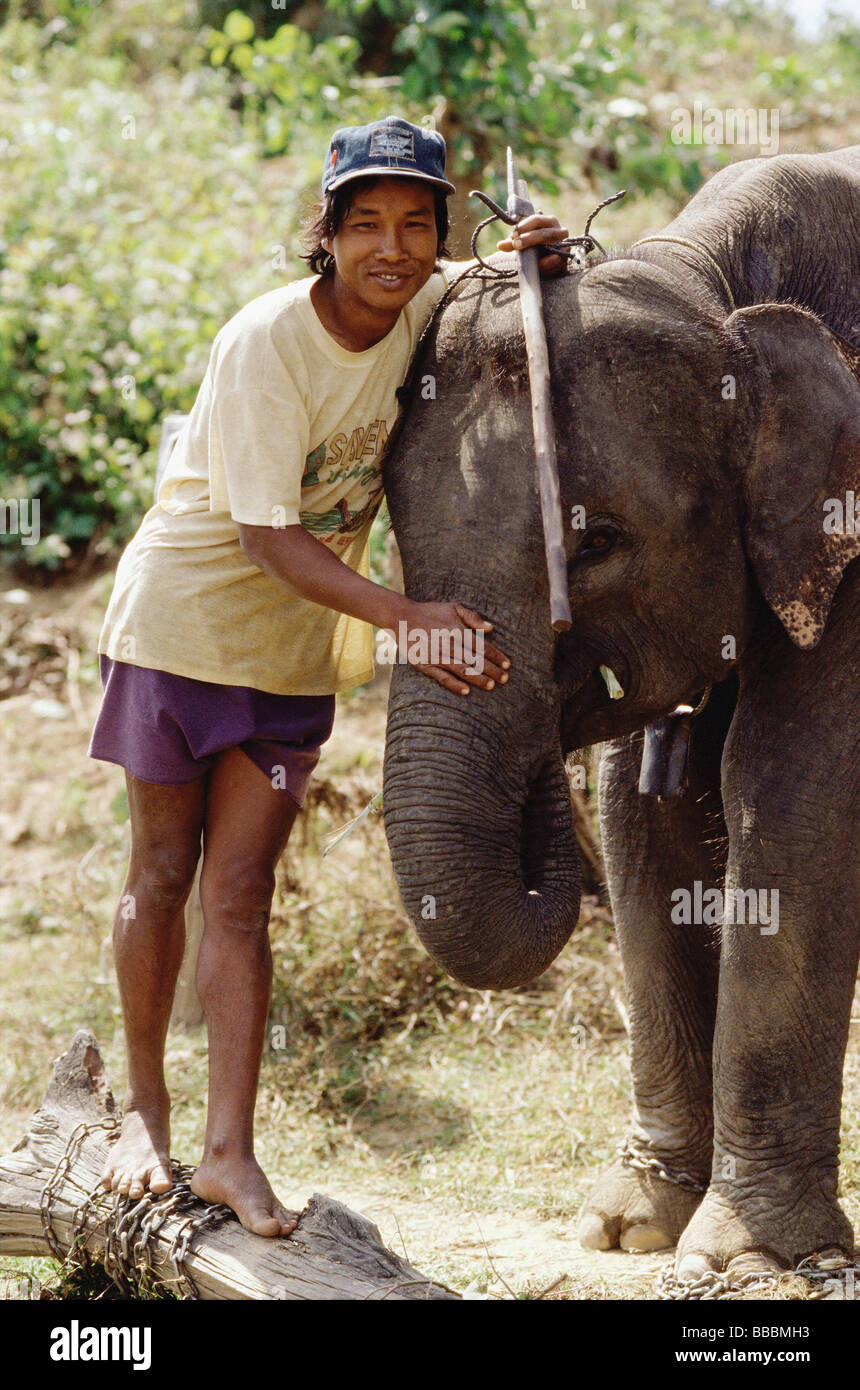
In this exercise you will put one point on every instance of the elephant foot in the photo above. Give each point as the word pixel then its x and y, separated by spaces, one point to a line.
pixel 633 1208
pixel 727 1234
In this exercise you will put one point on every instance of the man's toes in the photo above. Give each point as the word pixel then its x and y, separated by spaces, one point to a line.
pixel 289 1220
pixel 160 1179
pixel 135 1188
pixel 262 1223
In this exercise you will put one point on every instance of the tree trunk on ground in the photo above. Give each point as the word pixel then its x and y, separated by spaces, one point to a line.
pixel 333 1254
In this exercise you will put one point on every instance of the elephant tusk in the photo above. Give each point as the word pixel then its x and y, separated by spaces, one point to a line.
pixel 612 683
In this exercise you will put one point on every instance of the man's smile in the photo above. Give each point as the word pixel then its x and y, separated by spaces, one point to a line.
pixel 391 279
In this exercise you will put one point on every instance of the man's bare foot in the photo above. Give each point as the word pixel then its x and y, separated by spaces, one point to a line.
pixel 239 1182
pixel 139 1160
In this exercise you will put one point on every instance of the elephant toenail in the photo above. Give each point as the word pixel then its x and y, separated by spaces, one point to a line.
pixel 645 1237
pixel 692 1267
pixel 592 1233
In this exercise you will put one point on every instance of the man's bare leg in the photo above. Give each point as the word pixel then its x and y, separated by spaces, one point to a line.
pixel 246 829
pixel 148 941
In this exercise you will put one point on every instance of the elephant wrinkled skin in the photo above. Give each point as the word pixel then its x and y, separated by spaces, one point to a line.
pixel 714 448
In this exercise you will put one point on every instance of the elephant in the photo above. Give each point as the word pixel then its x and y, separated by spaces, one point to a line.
pixel 706 407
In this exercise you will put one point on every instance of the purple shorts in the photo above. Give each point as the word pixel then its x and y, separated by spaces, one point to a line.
pixel 169 729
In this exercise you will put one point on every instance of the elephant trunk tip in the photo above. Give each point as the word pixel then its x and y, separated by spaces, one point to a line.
pixel 487 958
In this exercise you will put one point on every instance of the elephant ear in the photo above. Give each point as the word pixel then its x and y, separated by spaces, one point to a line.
pixel 806 454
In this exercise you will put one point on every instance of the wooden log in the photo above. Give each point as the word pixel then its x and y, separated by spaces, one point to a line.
pixel 47 1185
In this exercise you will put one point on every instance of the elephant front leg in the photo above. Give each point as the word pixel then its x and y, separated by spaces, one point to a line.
pixel 644 1200
pixel 782 1026
pixel 785 994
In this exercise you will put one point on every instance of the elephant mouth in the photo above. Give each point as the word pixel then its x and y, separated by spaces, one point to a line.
pixel 593 672
pixel 615 688
pixel 605 687
pixel 591 713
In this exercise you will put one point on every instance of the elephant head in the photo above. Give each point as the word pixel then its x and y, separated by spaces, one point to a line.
pixel 697 449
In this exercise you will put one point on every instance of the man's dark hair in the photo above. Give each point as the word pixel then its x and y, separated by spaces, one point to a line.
pixel 326 218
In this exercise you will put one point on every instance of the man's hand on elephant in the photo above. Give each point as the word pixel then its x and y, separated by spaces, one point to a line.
pixel 535 230
pixel 446 641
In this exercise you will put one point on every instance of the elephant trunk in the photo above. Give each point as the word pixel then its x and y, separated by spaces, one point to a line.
pixel 480 834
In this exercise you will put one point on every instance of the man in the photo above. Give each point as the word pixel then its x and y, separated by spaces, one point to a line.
pixel 241 607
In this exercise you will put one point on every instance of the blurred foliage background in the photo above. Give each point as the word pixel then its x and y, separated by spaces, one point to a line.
pixel 158 162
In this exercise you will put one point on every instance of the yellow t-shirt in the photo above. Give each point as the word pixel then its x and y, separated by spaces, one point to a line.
pixel 288 427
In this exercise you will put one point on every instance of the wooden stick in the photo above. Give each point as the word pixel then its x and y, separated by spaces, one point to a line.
pixel 542 422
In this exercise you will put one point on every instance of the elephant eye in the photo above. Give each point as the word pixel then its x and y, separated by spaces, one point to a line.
pixel 597 542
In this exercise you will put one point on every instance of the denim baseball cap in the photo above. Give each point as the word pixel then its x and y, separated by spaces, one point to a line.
pixel 388 147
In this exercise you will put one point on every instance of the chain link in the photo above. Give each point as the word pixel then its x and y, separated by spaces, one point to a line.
pixel 732 1287
pixel 713 1284
pixel 137 1221
pixel 59 1175
pixel 632 1156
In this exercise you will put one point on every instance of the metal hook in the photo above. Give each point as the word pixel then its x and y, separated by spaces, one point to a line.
pixel 571 248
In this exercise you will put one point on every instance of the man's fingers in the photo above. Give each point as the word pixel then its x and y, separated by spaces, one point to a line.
pixel 483 677
pixel 488 667
pixel 536 230
pixel 495 662
pixel 536 220
pixel 492 654
pixel 473 619
pixel 523 240
pixel 458 678
pixel 445 678
pixel 484 665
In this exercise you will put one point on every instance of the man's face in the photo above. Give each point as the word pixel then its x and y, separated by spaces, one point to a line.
pixel 385 247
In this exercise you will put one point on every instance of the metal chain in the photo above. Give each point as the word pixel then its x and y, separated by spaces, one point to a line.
pixel 633 1156
pixel 76 1138
pixel 731 1287
pixel 131 1223
pixel 135 1221
pixel 713 1284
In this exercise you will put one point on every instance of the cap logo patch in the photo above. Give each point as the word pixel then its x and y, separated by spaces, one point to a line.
pixel 394 142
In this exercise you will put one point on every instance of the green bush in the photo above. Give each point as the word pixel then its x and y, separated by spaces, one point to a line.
pixel 136 214
pixel 133 224
pixel 294 90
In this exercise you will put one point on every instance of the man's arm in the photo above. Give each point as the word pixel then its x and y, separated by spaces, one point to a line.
pixel 292 555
